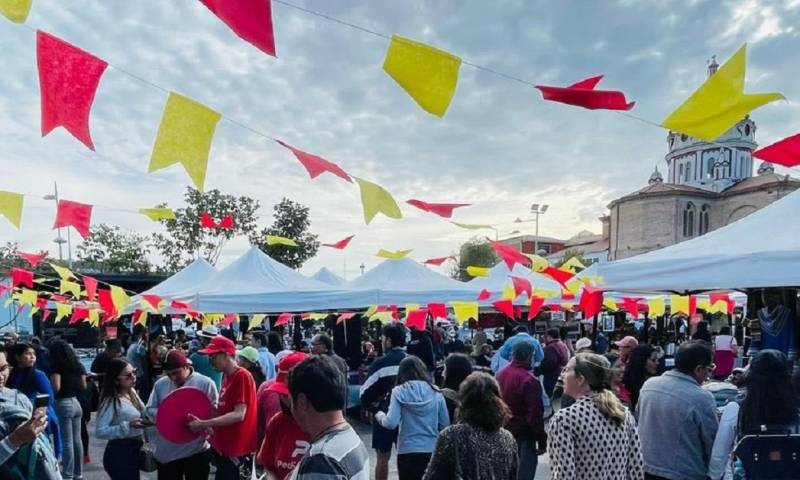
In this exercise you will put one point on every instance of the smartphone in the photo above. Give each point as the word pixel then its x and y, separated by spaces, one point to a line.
pixel 42 401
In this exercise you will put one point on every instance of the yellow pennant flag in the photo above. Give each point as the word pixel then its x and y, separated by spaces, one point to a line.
pixel 610 303
pixel 538 262
pixel 656 307
pixel 184 137
pixel 719 103
pixel 317 316
pixel 94 317
pixel 472 226
pixel 463 311
pixel 375 199
pixel 509 293
pixel 63 272
pixel 427 74
pixel 62 310
pixel 574 285
pixel 573 265
pixel 212 318
pixel 119 298
pixel 142 320
pixel 718 307
pixel 257 319
pixel 410 307
pixel 27 297
pixel 71 287
pixel 383 317
pixel 371 311
pixel 704 304
pixel 276 240
pixel 547 293
pixel 156 214
pixel 393 255
pixel 16 10
pixel 11 206
pixel 679 303
pixel 477 271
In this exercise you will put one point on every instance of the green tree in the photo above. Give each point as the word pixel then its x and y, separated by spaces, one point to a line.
pixel 476 252
pixel 185 240
pixel 9 258
pixel 112 250
pixel 290 221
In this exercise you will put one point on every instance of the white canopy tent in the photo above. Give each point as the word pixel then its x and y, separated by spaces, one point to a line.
pixel 191 276
pixel 405 281
pixel 256 283
pixel 328 277
pixel 760 250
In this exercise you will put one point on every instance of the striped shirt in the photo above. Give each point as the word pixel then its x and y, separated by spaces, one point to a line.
pixel 337 455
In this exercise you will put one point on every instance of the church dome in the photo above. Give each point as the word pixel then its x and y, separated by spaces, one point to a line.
pixel 766 168
pixel 655 177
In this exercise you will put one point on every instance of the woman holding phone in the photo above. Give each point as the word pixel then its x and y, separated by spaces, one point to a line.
pixel 120 420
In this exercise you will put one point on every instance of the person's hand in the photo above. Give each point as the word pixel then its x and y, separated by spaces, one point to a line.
pixel 195 424
pixel 28 431
pixel 138 423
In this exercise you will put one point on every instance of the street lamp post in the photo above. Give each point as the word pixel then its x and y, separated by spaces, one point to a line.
pixel 59 240
pixel 537 210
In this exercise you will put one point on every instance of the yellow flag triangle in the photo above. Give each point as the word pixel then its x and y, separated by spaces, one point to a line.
pixel 477 271
pixel 16 10
pixel 656 307
pixel 508 292
pixel 371 311
pixel 572 265
pixel 610 304
pixel 397 255
pixel 679 303
pixel 472 226
pixel 538 262
pixel 11 207
pixel 62 310
pixel 27 297
pixel 719 103
pixel 63 272
pixel 410 307
pixel 276 240
pixel 375 199
pixel 94 317
pixel 119 298
pixel 383 317
pixel 184 137
pixel 156 214
pixel 71 287
pixel 463 311
pixel 257 319
pixel 427 74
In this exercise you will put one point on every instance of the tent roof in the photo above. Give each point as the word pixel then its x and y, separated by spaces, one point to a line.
pixel 326 276
pixel 760 250
pixel 499 277
pixel 193 274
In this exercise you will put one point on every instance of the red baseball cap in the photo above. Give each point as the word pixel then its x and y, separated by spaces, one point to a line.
pixel 628 341
pixel 176 359
pixel 219 344
pixel 287 363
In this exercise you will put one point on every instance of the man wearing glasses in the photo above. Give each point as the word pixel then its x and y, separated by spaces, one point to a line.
pixel 677 418
pixel 187 461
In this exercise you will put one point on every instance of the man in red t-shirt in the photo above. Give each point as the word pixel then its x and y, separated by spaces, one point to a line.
pixel 285 443
pixel 234 426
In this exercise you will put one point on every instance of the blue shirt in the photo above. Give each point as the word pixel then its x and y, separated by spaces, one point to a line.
pixel 508 346
pixel 202 365
pixel 267 361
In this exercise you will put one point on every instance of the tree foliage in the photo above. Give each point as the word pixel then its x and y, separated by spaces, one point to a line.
pixel 185 240
pixel 109 249
pixel 291 220
pixel 477 252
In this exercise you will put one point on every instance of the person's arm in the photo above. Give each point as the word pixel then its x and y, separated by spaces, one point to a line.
pixel 442 463
pixel 42 385
pixel 230 418
pixel 103 426
pixel 83 381
pixel 390 420
pixel 534 417
pixel 444 417
pixel 538 352
pixel 723 442
pixel 22 435
pixel 706 417
pixel 505 350
pixel 561 449
pixel 55 381
pixel 153 402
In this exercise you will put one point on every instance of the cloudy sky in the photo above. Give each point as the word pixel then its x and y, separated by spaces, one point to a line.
pixel 500 147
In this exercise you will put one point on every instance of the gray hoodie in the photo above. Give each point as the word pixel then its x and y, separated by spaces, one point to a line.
pixel 420 411
pixel 12 402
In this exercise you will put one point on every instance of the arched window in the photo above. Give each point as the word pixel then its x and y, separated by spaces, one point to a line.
pixel 705 217
pixel 688 220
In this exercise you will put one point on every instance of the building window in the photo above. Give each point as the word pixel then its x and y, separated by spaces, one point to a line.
pixel 688 220
pixel 688 172
pixel 680 172
pixel 705 216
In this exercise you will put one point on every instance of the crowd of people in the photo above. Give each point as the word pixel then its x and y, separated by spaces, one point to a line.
pixel 498 404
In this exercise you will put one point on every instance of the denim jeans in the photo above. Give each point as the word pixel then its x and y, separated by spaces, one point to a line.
pixel 528 460
pixel 69 422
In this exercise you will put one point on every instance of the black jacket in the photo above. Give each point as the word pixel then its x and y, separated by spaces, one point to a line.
pixel 381 379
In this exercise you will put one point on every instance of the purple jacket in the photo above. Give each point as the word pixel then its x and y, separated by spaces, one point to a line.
pixel 522 392
pixel 556 357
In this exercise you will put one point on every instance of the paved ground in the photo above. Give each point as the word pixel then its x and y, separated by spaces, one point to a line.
pixel 94 470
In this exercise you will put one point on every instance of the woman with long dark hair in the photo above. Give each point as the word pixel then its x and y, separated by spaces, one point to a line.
pixel 478 447
pixel 419 409
pixel 457 367
pixel 769 402
pixel 68 378
pixel 31 381
pixel 644 363
pixel 121 420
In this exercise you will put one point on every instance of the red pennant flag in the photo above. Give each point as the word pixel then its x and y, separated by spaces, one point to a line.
pixel 716 297
pixel 78 314
pixel 46 314
pixel 517 311
pixel 41 303
pixel 137 316
pixel 228 319
pixel 484 295
pixel 395 312
pixel 226 222
pixel 437 261
pixel 3 289
pixel 521 285
pixel 504 306
pixel 437 310
pixel 345 316
pixel 632 306
pixel 583 94
pixel 207 221
pixel 442 209
pixel 785 152
pixel 91 287
pixel 341 244
pixel 58 298
pixel 591 301
pixel 74 214
pixel 21 276
pixel 250 20
pixel 535 307
pixel 179 305
pixel 193 314
pixel 567 296
pixel 153 300
pixel 316 166
pixel 107 304
pixel 32 258
pixel 283 319
pixel 416 319
pixel 68 79
pixel 558 275
pixel 510 255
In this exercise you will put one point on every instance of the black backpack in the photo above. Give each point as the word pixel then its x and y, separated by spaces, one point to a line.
pixel 33 461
